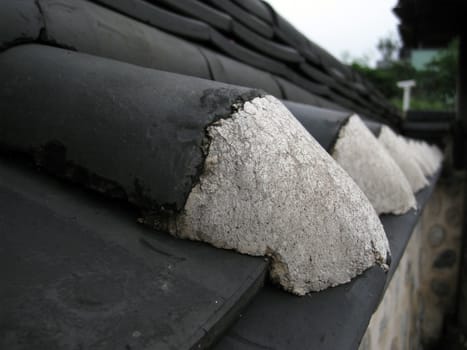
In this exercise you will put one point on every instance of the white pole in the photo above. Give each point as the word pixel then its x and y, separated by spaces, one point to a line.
pixel 406 85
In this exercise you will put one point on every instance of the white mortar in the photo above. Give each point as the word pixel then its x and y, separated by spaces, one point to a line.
pixel 398 149
pixel 415 150
pixel 269 188
pixel 433 155
pixel 360 154
pixel 428 157
pixel 438 155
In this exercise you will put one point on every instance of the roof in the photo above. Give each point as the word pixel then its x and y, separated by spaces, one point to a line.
pixel 283 62
pixel 124 121
pixel 120 283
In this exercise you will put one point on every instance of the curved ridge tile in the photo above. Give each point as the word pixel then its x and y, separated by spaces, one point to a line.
pixel 20 21
pixel 295 93
pixel 316 74
pixel 141 134
pixel 290 35
pixel 374 126
pixel 311 86
pixel 373 169
pixel 230 71
pixel 254 23
pixel 158 17
pixel 349 92
pixel 90 28
pixel 94 29
pixel 268 47
pixel 201 11
pixel 323 124
pixel 265 183
pixel 335 70
pixel 248 56
pixel 120 129
pixel 258 8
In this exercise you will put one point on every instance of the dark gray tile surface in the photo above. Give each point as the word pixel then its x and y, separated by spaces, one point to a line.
pixel 78 272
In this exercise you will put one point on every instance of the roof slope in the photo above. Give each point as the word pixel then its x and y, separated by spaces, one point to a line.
pixel 273 47
pixel 107 95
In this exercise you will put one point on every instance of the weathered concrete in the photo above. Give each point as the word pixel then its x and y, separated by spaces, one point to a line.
pixel 414 150
pixel 397 148
pixel 373 169
pixel 434 154
pixel 428 157
pixel 268 188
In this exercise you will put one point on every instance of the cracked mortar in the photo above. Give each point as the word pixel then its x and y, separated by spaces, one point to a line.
pixel 268 188
pixel 397 148
pixel 360 154
pixel 428 157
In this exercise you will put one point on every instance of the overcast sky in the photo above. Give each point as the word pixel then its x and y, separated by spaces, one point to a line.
pixel 339 26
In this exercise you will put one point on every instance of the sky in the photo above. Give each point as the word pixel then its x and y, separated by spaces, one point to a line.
pixel 340 26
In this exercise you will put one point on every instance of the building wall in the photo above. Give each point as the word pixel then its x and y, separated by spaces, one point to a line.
pixel 422 290
pixel 420 58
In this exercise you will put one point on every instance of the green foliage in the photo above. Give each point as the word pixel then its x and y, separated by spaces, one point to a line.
pixel 424 104
pixel 436 84
pixel 385 79
pixel 388 48
pixel 440 75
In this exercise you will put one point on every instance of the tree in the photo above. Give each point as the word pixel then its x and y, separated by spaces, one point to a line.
pixel 386 78
pixel 440 75
pixel 436 84
pixel 388 48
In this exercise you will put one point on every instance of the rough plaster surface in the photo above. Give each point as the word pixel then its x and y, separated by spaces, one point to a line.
pixel 360 154
pixel 397 148
pixel 268 188
pixel 438 155
pixel 428 157
pixel 416 153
